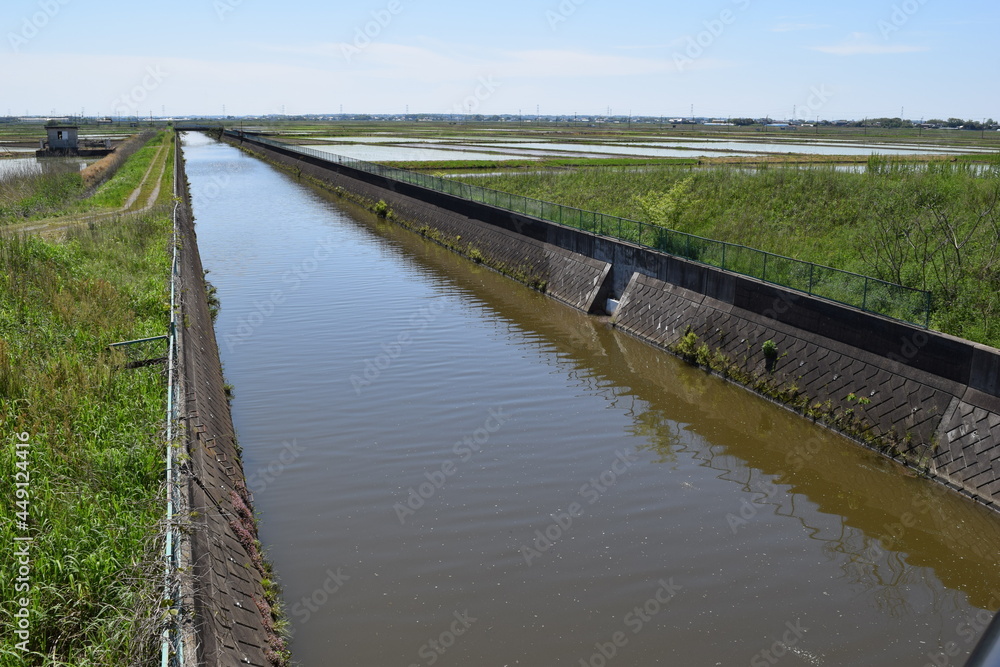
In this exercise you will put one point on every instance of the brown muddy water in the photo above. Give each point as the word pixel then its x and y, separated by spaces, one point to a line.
pixel 452 469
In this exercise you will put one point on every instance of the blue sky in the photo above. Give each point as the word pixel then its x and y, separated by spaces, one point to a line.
pixel 848 59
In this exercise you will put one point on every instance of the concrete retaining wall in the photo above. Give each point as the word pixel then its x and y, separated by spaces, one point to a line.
pixel 934 398
pixel 225 608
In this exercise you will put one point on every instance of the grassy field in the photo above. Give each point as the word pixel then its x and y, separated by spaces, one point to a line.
pixel 25 194
pixel 61 191
pixel 934 227
pixel 96 448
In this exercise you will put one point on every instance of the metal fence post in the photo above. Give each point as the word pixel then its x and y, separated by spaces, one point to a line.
pixel 864 299
pixel 812 268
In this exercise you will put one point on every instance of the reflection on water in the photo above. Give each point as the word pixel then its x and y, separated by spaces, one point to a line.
pixel 13 168
pixel 370 369
pixel 378 153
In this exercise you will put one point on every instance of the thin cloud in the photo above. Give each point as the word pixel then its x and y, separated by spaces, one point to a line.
pixel 860 43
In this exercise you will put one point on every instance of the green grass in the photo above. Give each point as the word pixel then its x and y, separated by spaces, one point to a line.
pixel 96 460
pixel 25 195
pixel 116 191
pixel 927 227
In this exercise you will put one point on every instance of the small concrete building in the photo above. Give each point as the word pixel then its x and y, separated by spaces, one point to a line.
pixel 63 137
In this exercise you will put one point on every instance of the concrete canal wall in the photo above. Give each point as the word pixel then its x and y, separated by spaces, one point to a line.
pixel 225 613
pixel 920 396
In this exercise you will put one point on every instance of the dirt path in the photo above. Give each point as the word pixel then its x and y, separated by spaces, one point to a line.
pixel 54 226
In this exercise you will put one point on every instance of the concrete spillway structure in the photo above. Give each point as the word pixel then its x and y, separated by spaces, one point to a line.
pixel 923 397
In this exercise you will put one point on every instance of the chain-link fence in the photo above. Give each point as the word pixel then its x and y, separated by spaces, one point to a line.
pixel 863 292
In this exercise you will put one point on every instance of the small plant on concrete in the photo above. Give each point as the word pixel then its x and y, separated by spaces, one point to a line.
pixel 687 347
pixel 770 349
pixel 861 401
pixel 703 356
pixel 381 209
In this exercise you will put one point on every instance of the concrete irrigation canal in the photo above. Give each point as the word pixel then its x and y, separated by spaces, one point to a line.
pixel 451 468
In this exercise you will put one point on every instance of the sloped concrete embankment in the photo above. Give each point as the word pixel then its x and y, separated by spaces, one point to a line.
pixel 923 397
pixel 226 610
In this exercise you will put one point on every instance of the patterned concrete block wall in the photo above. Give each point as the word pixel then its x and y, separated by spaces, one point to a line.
pixel 225 608
pixel 954 429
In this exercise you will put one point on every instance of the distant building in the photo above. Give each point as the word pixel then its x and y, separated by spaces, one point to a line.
pixel 63 137
pixel 64 141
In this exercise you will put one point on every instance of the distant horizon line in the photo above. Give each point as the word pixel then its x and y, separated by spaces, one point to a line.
pixel 655 119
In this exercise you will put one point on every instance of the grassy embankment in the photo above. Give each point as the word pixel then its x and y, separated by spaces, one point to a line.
pixel 933 227
pixel 59 189
pixel 95 429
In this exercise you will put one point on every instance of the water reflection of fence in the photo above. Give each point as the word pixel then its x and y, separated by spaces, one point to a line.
pixel 852 289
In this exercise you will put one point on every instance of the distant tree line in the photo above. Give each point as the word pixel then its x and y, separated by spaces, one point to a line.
pixel 951 123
